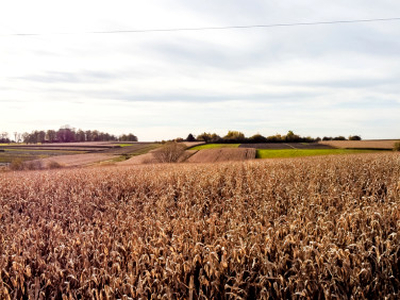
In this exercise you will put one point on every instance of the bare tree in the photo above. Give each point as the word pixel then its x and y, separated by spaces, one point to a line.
pixel 170 152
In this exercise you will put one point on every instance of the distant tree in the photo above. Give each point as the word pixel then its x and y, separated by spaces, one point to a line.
pixel 339 138
pixel 277 138
pixel 215 138
pixel 396 146
pixel 128 137
pixel 4 137
pixel 132 137
pixel 235 136
pixel 66 134
pixel 170 152
pixel 258 138
pixel 80 136
pixel 327 138
pixel 208 137
pixel 25 137
pixel 51 136
pixel 88 135
pixel 309 139
pixel 41 136
pixel 204 137
pixel 291 137
pixel 95 136
pixel 32 138
pixel 190 138
pixel 354 138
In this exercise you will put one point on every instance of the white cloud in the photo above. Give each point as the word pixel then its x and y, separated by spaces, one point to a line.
pixel 315 80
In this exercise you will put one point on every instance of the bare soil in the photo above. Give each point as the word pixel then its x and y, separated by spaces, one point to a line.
pixel 193 144
pixel 222 154
pixel 77 159
pixel 147 158
pixel 366 144
pixel 150 158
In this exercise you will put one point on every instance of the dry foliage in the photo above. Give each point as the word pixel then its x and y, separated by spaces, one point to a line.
pixel 370 144
pixel 170 152
pixel 321 227
pixel 222 154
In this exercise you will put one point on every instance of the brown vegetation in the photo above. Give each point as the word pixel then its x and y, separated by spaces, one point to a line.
pixel 276 146
pixel 222 154
pixel 171 152
pixel 320 227
pixel 366 144
pixel 77 159
pixel 147 158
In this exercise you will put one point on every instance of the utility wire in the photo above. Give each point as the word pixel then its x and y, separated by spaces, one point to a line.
pixel 215 27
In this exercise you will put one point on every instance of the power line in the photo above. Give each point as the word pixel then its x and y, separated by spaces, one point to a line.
pixel 336 22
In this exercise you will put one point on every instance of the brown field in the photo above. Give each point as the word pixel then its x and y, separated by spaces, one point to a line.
pixel 71 154
pixel 193 144
pixel 277 146
pixel 150 158
pixel 312 228
pixel 198 156
pixel 222 154
pixel 76 159
pixel 366 144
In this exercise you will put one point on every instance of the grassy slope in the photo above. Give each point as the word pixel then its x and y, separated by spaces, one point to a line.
pixel 136 152
pixel 11 154
pixel 213 146
pixel 283 153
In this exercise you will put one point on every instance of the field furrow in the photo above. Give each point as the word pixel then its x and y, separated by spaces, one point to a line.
pixel 315 227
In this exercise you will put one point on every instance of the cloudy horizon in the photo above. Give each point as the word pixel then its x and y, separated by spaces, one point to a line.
pixel 322 80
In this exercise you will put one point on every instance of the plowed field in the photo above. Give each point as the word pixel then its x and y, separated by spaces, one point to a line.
pixel 367 144
pixel 222 154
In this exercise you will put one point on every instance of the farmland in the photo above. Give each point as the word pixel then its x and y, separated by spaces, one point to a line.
pixel 72 154
pixel 213 146
pixel 276 150
pixel 365 144
pixel 222 154
pixel 285 153
pixel 8 155
pixel 313 227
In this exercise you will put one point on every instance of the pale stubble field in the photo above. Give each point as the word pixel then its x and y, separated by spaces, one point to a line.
pixel 317 227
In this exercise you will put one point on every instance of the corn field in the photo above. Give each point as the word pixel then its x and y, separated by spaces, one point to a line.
pixel 307 228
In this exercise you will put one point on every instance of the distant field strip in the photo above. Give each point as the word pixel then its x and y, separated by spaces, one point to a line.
pixel 283 153
pixel 222 154
pixel 214 146
pixel 277 146
pixel 365 144
pixel 8 155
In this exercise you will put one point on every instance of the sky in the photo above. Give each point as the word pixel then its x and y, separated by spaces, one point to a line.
pixel 320 80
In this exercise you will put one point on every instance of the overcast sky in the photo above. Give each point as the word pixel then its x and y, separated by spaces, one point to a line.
pixel 323 80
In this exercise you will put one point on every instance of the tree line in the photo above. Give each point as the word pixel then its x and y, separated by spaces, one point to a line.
pixel 239 137
pixel 65 134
